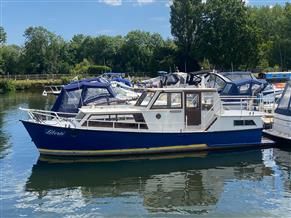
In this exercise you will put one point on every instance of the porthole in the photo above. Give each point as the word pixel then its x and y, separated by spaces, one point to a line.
pixel 158 116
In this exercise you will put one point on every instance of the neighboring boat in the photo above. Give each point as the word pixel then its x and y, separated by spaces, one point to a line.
pixel 52 90
pixel 281 128
pixel 96 91
pixel 162 120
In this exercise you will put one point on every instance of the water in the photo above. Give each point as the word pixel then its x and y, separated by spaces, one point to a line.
pixel 254 183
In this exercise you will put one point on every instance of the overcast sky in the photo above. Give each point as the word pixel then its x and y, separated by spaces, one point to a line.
pixel 90 17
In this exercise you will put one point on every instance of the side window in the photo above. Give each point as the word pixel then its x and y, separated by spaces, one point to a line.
pixel 244 123
pixel 192 100
pixel 168 100
pixel 243 89
pixel 176 100
pixel 161 102
pixel 207 100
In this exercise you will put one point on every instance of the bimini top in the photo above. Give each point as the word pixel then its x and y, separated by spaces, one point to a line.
pixel 244 87
pixel 238 75
pixel 284 102
pixel 82 92
pixel 118 77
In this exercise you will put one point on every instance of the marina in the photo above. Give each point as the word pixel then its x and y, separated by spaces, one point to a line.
pixel 148 186
pixel 145 108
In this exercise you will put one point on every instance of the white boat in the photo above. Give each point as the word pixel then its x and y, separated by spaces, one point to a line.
pixel 162 120
pixel 52 90
pixel 281 128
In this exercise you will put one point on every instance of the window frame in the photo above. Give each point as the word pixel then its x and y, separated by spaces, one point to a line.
pixel 169 101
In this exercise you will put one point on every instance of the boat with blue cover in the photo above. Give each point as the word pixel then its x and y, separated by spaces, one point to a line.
pixel 162 120
pixel 281 128
pixel 96 91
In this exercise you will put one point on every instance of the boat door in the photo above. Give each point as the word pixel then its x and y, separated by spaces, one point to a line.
pixel 193 108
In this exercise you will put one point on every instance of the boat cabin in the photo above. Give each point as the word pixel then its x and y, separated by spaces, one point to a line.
pixel 160 109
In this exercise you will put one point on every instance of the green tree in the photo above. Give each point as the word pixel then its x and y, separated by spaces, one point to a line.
pixel 3 35
pixel 230 38
pixel 137 51
pixel 81 68
pixel 186 26
pixel 11 58
pixel 42 50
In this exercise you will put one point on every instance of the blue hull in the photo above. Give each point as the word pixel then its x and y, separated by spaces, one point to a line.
pixel 65 141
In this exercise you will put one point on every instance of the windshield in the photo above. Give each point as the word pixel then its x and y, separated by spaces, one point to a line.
pixel 144 99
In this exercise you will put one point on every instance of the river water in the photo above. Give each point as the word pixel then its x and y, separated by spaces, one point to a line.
pixel 253 183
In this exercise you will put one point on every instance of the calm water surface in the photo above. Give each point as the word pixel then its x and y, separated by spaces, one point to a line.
pixel 254 183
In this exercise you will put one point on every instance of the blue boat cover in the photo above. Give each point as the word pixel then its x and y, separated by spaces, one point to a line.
pixel 243 87
pixel 284 102
pixel 82 92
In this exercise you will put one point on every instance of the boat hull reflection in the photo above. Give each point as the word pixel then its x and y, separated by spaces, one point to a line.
pixel 163 182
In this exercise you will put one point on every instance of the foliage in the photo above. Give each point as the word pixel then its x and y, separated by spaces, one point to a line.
pixel 10 59
pixel 97 69
pixel 223 34
pixel 7 85
pixel 3 35
pixel 230 38
pixel 81 68
pixel 186 27
pixel 42 51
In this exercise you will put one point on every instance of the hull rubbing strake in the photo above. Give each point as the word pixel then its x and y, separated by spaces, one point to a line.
pixel 125 151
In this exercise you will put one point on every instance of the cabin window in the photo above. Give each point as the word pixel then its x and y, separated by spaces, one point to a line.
pixel 93 93
pixel 168 100
pixel 255 88
pixel 192 100
pixel 244 89
pixel 176 100
pixel 145 99
pixel 244 123
pixel 219 83
pixel 71 100
pixel 284 102
pixel 161 102
pixel 227 89
pixel 207 100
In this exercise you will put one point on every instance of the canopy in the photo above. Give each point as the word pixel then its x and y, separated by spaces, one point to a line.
pixel 244 87
pixel 82 92
pixel 284 102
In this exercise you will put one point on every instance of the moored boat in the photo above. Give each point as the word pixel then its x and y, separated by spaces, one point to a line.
pixel 162 120
pixel 281 128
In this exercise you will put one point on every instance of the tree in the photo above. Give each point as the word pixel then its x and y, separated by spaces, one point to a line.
pixel 186 25
pixel 137 51
pixel 3 35
pixel 164 57
pixel 230 39
pixel 10 56
pixel 42 50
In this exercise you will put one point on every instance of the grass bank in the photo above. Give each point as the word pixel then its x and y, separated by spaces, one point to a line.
pixel 17 85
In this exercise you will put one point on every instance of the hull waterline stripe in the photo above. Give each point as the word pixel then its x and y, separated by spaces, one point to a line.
pixel 124 151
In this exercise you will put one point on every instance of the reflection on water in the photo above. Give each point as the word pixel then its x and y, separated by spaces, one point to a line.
pixel 164 184
pixel 9 113
pixel 254 183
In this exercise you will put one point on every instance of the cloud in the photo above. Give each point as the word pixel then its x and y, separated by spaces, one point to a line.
pixel 112 2
pixel 142 2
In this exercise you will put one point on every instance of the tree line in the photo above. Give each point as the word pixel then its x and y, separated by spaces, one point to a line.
pixel 221 34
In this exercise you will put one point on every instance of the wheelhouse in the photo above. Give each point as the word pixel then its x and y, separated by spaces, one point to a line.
pixel 171 109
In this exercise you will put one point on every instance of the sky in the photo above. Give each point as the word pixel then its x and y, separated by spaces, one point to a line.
pixel 90 17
